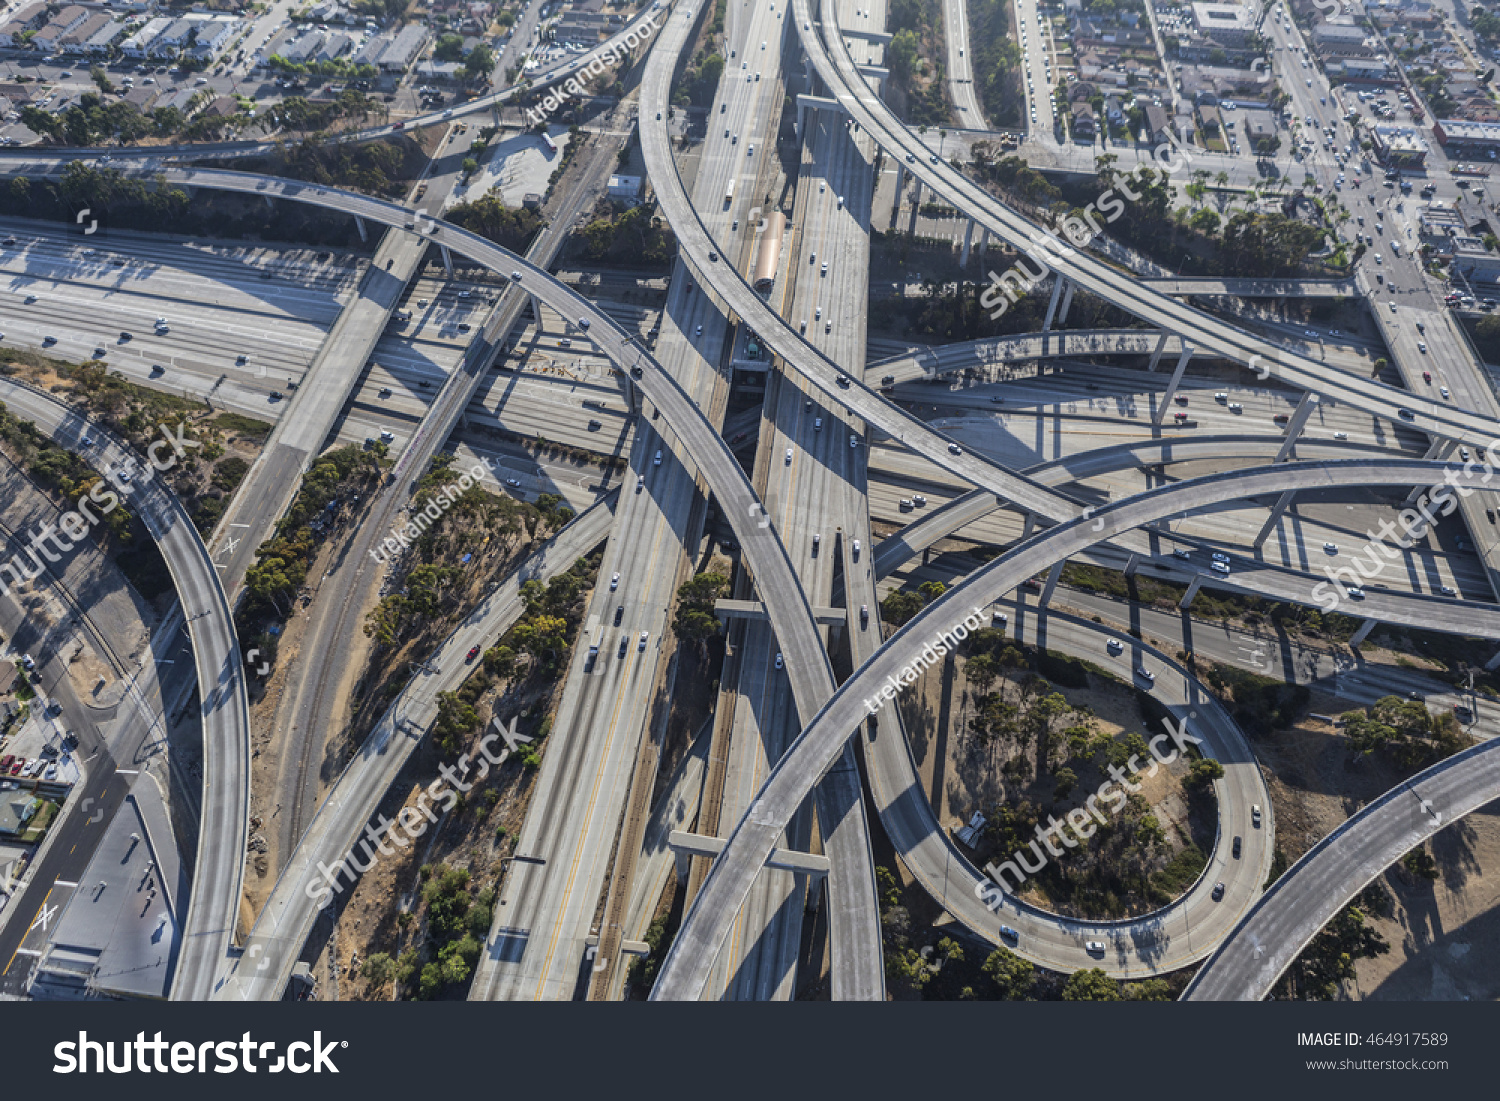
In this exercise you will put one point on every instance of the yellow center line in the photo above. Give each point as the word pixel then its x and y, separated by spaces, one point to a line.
pixel 593 801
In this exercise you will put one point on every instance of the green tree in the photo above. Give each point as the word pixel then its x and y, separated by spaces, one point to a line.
pixel 1203 772
pixel 1092 985
pixel 449 47
pixel 479 64
pixel 1011 976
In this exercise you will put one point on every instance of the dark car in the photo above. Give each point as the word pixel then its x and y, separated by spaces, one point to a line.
pixel 1236 848
pixel 1218 890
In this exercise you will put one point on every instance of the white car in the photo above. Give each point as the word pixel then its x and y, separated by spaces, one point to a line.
pixel 1114 646
pixel 1095 947
pixel 779 662
pixel 614 582
pixel 855 548
pixel 1354 593
pixel 1331 548
pixel 789 456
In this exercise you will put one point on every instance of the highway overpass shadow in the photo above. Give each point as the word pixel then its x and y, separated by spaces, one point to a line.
pixel 266 280
pixel 1452 956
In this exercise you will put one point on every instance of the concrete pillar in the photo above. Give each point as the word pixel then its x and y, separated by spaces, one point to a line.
pixel 1133 564
pixel 1277 512
pixel 270 202
pixel 1030 526
pixel 1438 451
pixel 1494 662
pixel 916 206
pixel 1166 398
pixel 1052 575
pixel 447 260
pixel 1187 598
pixel 813 886
pixel 1294 426
pixel 900 183
pixel 984 244
pixel 684 864
pixel 1057 289
pixel 536 310
pixel 1062 312
pixel 963 260
pixel 801 117
pixel 1364 631
pixel 1161 346
pixel 359 224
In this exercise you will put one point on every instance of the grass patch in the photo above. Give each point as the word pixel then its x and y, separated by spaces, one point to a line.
pixel 241 425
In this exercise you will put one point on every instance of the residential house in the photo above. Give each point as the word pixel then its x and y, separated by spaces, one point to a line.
pixel 1085 123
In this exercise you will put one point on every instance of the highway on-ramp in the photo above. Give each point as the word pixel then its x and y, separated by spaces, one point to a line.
pixel 706 924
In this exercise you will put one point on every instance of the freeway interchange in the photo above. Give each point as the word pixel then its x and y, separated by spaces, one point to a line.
pixel 795 756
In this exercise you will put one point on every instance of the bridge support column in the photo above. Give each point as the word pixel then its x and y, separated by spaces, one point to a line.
pixel 1166 398
pixel 270 202
pixel 1494 662
pixel 984 244
pixel 1132 564
pixel 1363 633
pixel 1062 311
pixel 1187 598
pixel 1029 527
pixel 1052 575
pixel 916 206
pixel 447 260
pixel 963 260
pixel 684 860
pixel 1438 451
pixel 1294 426
pixel 1277 512
pixel 364 234
pixel 1161 346
pixel 1057 289
pixel 536 310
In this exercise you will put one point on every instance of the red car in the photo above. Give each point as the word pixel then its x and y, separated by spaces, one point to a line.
pixel 1426 376
pixel 15 769
pixel 472 654
pixel 5 762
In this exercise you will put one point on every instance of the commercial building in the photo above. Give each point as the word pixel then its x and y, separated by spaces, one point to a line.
pixel 1399 146
pixel 1227 24
pixel 624 187
pixel 1473 261
pixel 1464 135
